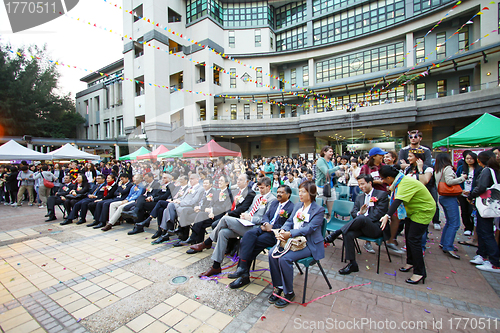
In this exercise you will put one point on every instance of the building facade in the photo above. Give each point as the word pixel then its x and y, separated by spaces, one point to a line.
pixel 285 77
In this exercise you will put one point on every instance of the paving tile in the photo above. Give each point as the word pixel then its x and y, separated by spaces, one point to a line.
pixel 16 321
pixel 219 320
pixel 25 327
pixel 188 324
pixel 160 310
pixel 206 329
pixel 175 300
pixel 68 299
pixel 97 295
pixel 125 292
pixel 203 313
pixel 77 305
pixel 188 306
pixel 172 317
pixel 140 322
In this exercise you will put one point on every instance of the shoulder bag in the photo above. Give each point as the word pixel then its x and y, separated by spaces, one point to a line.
pixel 47 183
pixel 327 188
pixel 292 244
pixel 447 190
pixel 488 203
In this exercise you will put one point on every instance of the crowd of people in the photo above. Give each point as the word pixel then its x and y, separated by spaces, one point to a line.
pixel 247 204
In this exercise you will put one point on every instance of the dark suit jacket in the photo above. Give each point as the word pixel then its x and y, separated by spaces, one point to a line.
pixel 151 190
pixel 65 189
pixel 243 206
pixel 123 190
pixel 221 207
pixel 111 192
pixel 378 209
pixel 98 190
pixel 268 216
pixel 205 203
pixel 310 229
pixel 164 192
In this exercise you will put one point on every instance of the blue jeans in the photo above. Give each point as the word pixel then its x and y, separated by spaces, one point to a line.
pixel 354 191
pixel 487 245
pixel 452 214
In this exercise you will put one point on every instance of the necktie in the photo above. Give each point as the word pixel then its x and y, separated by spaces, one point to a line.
pixel 256 206
pixel 234 202
pixel 367 201
pixel 276 214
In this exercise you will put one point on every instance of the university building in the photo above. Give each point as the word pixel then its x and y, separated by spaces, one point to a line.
pixel 286 77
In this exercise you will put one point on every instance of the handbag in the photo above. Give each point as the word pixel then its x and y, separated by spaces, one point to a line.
pixel 488 203
pixel 47 183
pixel 327 188
pixel 292 244
pixel 447 190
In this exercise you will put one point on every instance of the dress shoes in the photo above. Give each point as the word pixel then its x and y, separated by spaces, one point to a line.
pixel 100 225
pixel 239 272
pixel 333 236
pixel 81 221
pixel 51 218
pixel 351 267
pixel 130 215
pixel 181 243
pixel 137 230
pixel 211 271
pixel 410 281
pixel 281 303
pixel 177 231
pixel 47 215
pixel 273 298
pixel 145 223
pixel 65 222
pixel 93 224
pixel 157 234
pixel 240 282
pixel 197 248
pixel 161 239
pixel 107 227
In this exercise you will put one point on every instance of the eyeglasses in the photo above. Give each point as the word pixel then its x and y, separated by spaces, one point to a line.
pixel 414 136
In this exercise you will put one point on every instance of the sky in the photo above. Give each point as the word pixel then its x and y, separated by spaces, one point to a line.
pixel 72 42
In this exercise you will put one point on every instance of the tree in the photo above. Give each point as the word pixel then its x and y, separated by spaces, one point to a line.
pixel 29 104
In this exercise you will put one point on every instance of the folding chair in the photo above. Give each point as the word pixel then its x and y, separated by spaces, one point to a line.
pixel 379 242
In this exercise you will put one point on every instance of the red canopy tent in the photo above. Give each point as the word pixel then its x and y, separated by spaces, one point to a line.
pixel 211 149
pixel 152 155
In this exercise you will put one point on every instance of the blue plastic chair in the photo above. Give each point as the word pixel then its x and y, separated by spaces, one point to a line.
pixel 341 208
pixel 309 261
pixel 294 198
pixel 343 192
pixel 379 242
pixel 295 191
pixel 274 191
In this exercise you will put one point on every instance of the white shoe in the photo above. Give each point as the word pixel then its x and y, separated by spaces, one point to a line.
pixel 394 248
pixel 467 233
pixel 14 204
pixel 6 204
pixel 368 248
pixel 478 260
pixel 437 226
pixel 41 207
pixel 30 204
pixel 488 267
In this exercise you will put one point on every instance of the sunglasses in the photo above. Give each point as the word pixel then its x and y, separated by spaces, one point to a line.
pixel 414 136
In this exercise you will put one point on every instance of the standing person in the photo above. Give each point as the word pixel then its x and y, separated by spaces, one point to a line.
pixel 90 173
pixel 269 169
pixel 25 178
pixel 276 181
pixel 352 175
pixel 11 185
pixel 391 158
pixel 324 167
pixel 487 245
pixel 44 192
pixel 471 168
pixel 444 173
pixel 59 174
pixel 415 138
pixel 411 198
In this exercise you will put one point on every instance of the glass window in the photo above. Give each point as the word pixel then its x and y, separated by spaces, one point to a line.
pixel 260 111
pixel 440 45
pixel 290 14
pixel 420 91
pixel 463 39
pixel 441 88
pixel 282 80
pixel 292 39
pixel 232 41
pixel 258 39
pixel 246 111
pixel 271 42
pixel 258 76
pixel 422 6
pixel 464 84
pixel 232 80
pixel 293 77
pixel 420 50
pixel 234 113
pixel 305 76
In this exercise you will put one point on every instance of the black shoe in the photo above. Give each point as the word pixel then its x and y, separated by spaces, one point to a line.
pixel 157 234
pixel 404 270
pixel 47 215
pixel 81 221
pixel 161 239
pixel 333 236
pixel 100 225
pixel 51 218
pixel 177 232
pixel 272 298
pixel 93 224
pixel 179 244
pixel 452 254
pixel 137 230
pixel 65 222
pixel 281 303
pixel 239 272
pixel 240 282
pixel 351 267
pixel 130 215
pixel 410 281
pixel 145 223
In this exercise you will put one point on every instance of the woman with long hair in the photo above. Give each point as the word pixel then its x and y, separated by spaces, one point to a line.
pixel 324 170
pixel 391 158
pixel 472 169
pixel 443 172
pixel 487 245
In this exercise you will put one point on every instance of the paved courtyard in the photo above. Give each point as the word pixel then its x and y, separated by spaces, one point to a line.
pixel 76 279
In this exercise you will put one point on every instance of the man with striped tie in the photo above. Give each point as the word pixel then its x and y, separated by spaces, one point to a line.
pixel 232 227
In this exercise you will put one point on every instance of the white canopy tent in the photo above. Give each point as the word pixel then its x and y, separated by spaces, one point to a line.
pixel 14 151
pixel 70 152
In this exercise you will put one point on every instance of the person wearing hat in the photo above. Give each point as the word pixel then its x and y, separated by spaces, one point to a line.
pixel 372 168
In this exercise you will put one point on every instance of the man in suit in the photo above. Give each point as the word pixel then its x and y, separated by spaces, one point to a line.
pixel 369 207
pixel 257 239
pixel 200 212
pixel 59 198
pixel 232 227
pixel 97 192
pixel 242 199
pixel 160 207
pixel 109 193
pixel 188 200
pixel 135 210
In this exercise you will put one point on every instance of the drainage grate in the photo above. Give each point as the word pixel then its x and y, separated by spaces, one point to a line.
pixel 179 279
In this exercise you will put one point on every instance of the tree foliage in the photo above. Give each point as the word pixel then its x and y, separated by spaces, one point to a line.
pixel 29 103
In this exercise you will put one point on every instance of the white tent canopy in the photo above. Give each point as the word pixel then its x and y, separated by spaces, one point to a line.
pixel 70 152
pixel 14 151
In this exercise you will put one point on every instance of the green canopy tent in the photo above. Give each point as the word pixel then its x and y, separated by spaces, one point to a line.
pixel 133 156
pixel 482 132
pixel 177 151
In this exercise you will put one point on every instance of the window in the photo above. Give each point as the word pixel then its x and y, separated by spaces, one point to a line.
pixel 246 111
pixel 196 9
pixel 138 13
pixel 232 42
pixel 203 113
pixel 258 39
pixel 290 14
pixel 464 84
pixel 248 14
pixel 173 16
pixel 292 39
pixel 232 79
pixel 97 131
pixel 293 77
pixel 119 124
pixel 217 75
pixel 441 88
pixel 305 76
pixel 258 76
pixel 420 91
pixel 463 39
pixel 440 45
pixel 216 112
pixel 362 62
pixel 271 42
pixel 234 112
pixel 282 80
pixel 260 111
pixel 421 6
pixel 323 7
pixel 107 129
pixel 294 111
pixel 420 50
pixel 282 111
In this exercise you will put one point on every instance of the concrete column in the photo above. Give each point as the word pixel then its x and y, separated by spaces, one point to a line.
pixel 410 59
pixel 117 152
pixel 111 95
pixel 48 149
